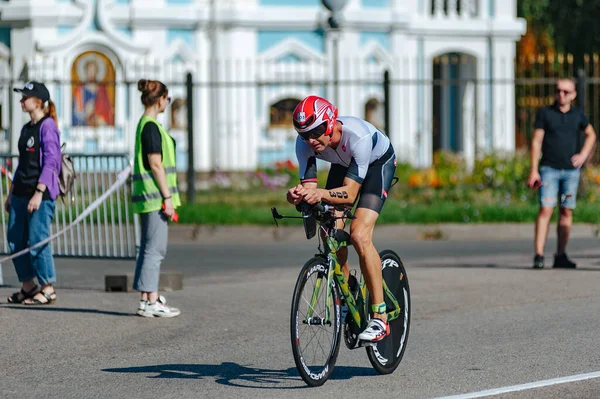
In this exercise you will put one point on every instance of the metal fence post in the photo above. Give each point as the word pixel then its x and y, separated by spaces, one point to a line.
pixel 581 88
pixel 386 102
pixel 191 175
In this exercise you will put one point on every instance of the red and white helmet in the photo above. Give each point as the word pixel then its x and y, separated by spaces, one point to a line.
pixel 312 112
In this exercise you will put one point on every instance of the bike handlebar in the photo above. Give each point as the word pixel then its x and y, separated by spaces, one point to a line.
pixel 321 208
pixel 317 211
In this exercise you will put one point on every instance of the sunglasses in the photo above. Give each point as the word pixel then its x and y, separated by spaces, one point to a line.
pixel 314 133
pixel 561 91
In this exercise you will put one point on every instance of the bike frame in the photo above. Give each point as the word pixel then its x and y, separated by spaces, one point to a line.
pixel 335 271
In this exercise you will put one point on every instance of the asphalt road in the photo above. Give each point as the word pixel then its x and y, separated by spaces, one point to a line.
pixel 481 320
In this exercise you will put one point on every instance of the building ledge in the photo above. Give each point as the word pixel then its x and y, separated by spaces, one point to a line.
pixel 19 14
pixel 509 27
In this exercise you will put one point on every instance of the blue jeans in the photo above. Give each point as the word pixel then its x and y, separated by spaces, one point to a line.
pixel 26 229
pixel 557 183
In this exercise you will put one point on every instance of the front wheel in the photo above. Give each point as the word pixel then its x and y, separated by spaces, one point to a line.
pixel 315 338
pixel 386 355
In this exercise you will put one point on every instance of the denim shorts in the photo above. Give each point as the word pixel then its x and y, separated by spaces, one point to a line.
pixel 559 183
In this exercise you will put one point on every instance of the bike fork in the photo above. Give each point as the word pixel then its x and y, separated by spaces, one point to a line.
pixel 315 296
pixel 329 296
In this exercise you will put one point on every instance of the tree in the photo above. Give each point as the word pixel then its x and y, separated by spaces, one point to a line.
pixel 569 26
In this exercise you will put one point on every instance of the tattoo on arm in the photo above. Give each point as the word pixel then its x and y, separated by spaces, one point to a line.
pixel 339 194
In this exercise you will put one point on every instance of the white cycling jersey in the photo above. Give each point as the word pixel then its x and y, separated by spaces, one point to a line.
pixel 361 145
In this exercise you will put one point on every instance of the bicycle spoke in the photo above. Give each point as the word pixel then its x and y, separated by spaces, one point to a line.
pixel 314 351
pixel 316 302
pixel 313 332
pixel 318 335
pixel 315 343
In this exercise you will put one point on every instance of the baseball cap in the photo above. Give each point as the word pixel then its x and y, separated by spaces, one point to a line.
pixel 35 89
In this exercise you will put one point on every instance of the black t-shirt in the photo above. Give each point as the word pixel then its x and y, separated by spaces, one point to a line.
pixel 151 142
pixel 30 168
pixel 562 132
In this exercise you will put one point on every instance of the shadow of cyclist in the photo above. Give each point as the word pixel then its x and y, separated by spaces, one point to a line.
pixel 233 374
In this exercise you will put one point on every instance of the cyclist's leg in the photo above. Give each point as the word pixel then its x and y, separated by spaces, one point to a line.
pixel 335 179
pixel 361 233
pixel 373 195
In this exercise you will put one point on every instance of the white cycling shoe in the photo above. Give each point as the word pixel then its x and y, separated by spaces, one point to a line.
pixel 376 330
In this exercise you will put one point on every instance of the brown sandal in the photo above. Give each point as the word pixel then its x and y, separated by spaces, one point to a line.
pixel 50 299
pixel 14 298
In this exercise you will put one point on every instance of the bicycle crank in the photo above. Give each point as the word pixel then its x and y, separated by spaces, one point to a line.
pixel 350 337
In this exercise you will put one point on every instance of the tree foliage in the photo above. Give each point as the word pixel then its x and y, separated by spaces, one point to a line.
pixel 566 26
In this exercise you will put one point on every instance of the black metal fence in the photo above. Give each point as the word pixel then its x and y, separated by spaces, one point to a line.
pixel 238 116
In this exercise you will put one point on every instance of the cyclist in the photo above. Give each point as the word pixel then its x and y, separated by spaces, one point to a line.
pixel 363 163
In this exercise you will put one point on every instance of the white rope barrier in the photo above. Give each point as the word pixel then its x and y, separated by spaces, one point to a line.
pixel 121 179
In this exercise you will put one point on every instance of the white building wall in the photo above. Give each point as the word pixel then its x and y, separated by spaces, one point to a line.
pixel 504 96
pixel 231 113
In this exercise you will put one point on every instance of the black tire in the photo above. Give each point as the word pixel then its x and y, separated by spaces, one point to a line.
pixel 386 355
pixel 315 347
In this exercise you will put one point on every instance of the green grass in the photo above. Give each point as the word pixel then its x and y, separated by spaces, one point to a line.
pixel 244 209
pixel 254 208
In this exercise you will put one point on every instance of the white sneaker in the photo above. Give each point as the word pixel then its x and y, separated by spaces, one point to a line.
pixel 141 307
pixel 376 330
pixel 160 309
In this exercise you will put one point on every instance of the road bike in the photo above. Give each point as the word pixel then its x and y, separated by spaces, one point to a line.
pixel 316 322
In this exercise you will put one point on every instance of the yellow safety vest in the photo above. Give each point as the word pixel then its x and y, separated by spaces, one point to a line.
pixel 146 194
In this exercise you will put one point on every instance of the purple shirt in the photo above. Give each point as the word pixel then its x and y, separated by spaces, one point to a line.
pixel 50 156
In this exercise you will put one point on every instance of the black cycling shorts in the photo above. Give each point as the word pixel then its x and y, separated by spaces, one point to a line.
pixel 375 186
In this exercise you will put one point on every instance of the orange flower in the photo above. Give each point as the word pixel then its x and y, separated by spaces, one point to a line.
pixel 433 179
pixel 290 165
pixel 415 180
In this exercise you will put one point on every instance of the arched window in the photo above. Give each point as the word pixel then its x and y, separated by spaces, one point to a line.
pixel 281 113
pixel 374 113
pixel 179 118
pixel 93 86
pixel 453 104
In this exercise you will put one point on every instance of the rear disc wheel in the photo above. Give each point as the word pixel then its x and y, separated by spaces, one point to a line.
pixel 385 355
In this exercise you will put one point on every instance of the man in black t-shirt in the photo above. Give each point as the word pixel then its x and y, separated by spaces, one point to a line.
pixel 556 138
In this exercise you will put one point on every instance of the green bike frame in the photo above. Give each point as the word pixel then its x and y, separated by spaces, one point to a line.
pixel 335 270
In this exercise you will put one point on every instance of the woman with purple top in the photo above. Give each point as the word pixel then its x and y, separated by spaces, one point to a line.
pixel 32 197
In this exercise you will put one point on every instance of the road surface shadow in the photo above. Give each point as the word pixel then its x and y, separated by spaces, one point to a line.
pixel 233 374
pixel 52 308
pixel 500 267
pixel 471 266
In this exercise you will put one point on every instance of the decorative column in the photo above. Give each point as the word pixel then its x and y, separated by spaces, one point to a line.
pixel 335 21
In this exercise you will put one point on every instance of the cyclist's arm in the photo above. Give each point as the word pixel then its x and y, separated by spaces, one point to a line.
pixel 342 195
pixel 307 166
pixel 308 179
